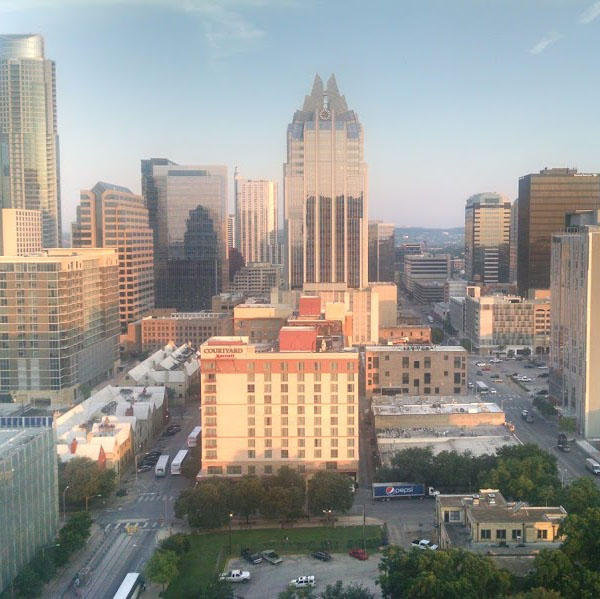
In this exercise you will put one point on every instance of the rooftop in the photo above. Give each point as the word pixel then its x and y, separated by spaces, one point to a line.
pixel 399 405
pixel 415 348
pixel 11 439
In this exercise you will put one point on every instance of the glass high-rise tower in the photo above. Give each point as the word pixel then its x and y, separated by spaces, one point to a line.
pixel 29 169
pixel 325 192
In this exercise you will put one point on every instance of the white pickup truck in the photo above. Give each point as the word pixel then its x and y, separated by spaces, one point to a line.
pixel 235 576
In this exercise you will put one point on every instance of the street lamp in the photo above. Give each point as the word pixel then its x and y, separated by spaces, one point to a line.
pixel 88 497
pixel 64 505
pixel 230 517
pixel 327 515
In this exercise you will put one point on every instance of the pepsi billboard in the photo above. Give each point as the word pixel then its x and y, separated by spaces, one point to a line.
pixel 385 490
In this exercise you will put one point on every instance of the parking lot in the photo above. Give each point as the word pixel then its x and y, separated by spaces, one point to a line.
pixel 268 580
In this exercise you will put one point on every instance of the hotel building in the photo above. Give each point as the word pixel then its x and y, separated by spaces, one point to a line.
pixel 293 407
pixel 20 231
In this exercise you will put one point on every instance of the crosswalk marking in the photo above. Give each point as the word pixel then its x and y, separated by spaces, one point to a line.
pixel 148 497
pixel 122 525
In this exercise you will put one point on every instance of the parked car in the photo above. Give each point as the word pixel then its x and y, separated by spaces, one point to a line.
pixel 144 468
pixel 271 557
pixel 529 418
pixel 424 544
pixel 479 373
pixel 479 364
pixel 251 557
pixel 359 554
pixel 525 413
pixel 470 385
pixel 492 390
pixel 542 392
pixel 303 582
pixel 495 361
pixel 544 375
pixel 321 555
pixel 235 576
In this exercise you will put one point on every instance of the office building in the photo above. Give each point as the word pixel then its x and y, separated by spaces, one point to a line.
pixel 20 231
pixel 325 192
pixel 260 323
pixel 575 333
pixel 428 292
pixel 257 279
pixel 405 335
pixel 28 497
pixel 455 288
pixel 487 238
pixel 405 249
pixel 406 370
pixel 425 268
pixel 231 232
pixel 514 241
pixel 188 212
pixel 112 216
pixel 502 322
pixel 160 327
pixel 29 169
pixel 544 199
pixel 59 324
pixel 381 251
pixel 255 218
pixel 262 410
pixel 483 521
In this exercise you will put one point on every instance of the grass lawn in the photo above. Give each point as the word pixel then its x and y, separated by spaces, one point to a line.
pixel 200 564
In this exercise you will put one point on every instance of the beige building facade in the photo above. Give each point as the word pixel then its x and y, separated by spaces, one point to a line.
pixel 111 216
pixel 20 231
pixel 59 323
pixel 265 409
pixel 261 323
pixel 414 370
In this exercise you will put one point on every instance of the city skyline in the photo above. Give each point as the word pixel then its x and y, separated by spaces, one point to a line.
pixel 427 115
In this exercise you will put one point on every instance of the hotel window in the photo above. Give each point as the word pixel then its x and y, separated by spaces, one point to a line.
pixel 317 388
pixel 250 377
pixel 300 377
pixel 333 409
pixel 333 432
pixel 251 399
pixel 267 375
pixel 334 421
pixel 334 453
pixel 268 469
pixel 284 399
pixel 284 366
pixel 317 453
pixel 486 533
pixel 251 453
pixel 284 433
pixel 267 388
pixel 333 388
pixel 251 409
pixel 317 442
pixel 251 442
pixel 210 410
pixel 300 388
pixel 334 366
pixel 251 432
pixel 268 453
pixel 284 377
pixel 268 432
pixel 334 399
pixel 267 399
pixel 284 409
pixel 252 470
pixel 334 442
pixel 284 453
pixel 268 409
pixel 210 443
pixel 251 421
pixel 250 388
pixel 300 409
pixel 350 399
pixel 333 376
pixel 215 470
pixel 301 442
pixel 317 421
pixel 316 409
pixel 284 388
pixel 211 454
pixel 284 421
pixel 350 432
pixel 317 399
pixel 350 453
pixel 350 421
pixel 300 367
pixel 268 442
pixel 300 399
pixel 350 442
pixel 317 366
pixel 301 454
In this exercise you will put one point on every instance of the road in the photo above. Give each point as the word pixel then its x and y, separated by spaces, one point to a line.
pixel 148 505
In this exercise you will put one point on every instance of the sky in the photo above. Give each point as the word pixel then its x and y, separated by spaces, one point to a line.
pixel 455 97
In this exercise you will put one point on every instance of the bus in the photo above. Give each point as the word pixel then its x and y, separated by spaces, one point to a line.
pixel 481 388
pixel 194 436
pixel 161 466
pixel 131 587
pixel 178 461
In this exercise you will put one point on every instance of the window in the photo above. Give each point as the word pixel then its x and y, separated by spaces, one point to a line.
pixel 405 380
pixel 350 442
pixel 334 454
pixel 268 442
pixel 331 465
pixel 486 534
pixel 215 470
pixel 457 390
pixel 301 432
pixel 501 534
pixel 301 468
pixel 350 388
pixel 301 442
pixel 284 453
pixel 317 442
pixel 251 432
pixel 284 388
pixel 415 382
pixel 234 469
pixel 211 454
pixel 268 453
pixel 457 378
pixel 386 373
pixel 251 469
pixel 427 363
pixel 427 379
pixel 250 388
pixel 268 469
pixel 417 364
pixel 268 421
pixel 350 453
pixel 317 453
pixel 405 362
pixel 301 454
pixel 542 534
pixel 516 534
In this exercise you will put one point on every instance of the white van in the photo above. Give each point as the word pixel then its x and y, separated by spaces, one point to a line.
pixel 593 466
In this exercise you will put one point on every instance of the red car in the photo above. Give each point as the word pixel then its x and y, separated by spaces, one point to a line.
pixel 360 554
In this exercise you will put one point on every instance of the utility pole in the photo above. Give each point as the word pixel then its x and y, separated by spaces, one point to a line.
pixel 363 527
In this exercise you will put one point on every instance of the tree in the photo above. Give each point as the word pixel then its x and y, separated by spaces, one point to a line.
pixel 582 544
pixel 352 591
pixel 291 593
pixel 178 543
pixel 539 593
pixel 203 506
pixel 450 574
pixel 84 479
pixel 580 495
pixel 44 565
pixel 329 490
pixel 414 464
pixel 466 343
pixel 437 335
pixel 248 497
pixel 28 583
pixel 72 536
pixel 215 589
pixel 162 567
pixel 285 504
pixel 568 425
pixel 191 466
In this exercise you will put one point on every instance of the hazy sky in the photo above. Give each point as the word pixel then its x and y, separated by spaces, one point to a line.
pixel 456 96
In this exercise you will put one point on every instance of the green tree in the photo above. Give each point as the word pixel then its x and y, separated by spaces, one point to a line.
pixel 248 496
pixel 582 544
pixel 44 565
pixel 191 466
pixel 28 583
pixel 329 490
pixel 450 574
pixel 568 425
pixel 281 503
pixel 291 593
pixel 414 465
pixel 203 506
pixel 581 494
pixel 437 335
pixel 215 589
pixel 84 478
pixel 178 543
pixel 162 567
pixel 538 593
pixel 466 343
pixel 72 536
pixel 352 591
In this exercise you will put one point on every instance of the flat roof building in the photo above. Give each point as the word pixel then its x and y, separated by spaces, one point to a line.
pixel 294 407
pixel 20 231
pixel 381 251
pixel 257 278
pixel 261 323
pixel 424 268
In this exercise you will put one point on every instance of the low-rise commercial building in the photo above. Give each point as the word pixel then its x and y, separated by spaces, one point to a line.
pixel 28 497
pixel 161 327
pixel 263 409
pixel 175 368
pixel 428 292
pixel 226 302
pixel 260 322
pixel 500 323
pixel 482 521
pixel 405 335
pixel 415 370
pixel 421 268
pixel 257 279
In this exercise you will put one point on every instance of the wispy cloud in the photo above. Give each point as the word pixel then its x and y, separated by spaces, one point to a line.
pixel 546 41
pixel 590 13
pixel 228 29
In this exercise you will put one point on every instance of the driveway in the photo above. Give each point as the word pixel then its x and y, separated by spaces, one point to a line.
pixel 269 581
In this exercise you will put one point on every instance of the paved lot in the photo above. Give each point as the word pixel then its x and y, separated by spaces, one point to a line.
pixel 267 580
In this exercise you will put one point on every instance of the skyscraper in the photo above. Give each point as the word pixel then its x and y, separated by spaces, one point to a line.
pixel 514 239
pixel 325 192
pixel 29 169
pixel 544 200
pixel 188 213
pixel 381 251
pixel 112 216
pixel 487 238
pixel 255 218
pixel 230 232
